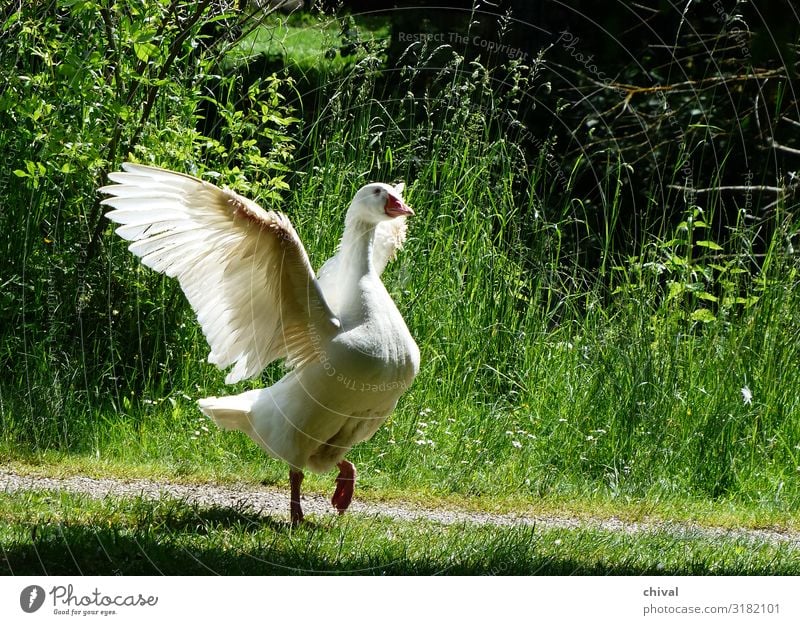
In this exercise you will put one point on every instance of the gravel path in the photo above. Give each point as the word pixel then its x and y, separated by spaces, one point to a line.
pixel 273 502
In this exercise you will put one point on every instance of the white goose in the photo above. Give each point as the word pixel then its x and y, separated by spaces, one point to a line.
pixel 247 276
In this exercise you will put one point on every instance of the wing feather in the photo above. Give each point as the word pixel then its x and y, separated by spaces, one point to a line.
pixel 244 270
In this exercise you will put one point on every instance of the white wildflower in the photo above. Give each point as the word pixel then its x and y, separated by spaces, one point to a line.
pixel 747 395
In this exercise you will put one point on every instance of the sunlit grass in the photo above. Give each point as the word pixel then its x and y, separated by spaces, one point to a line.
pixel 140 537
pixel 252 473
pixel 307 42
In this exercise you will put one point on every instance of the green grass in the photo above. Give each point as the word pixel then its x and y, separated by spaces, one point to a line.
pixel 556 368
pixel 311 43
pixel 61 534
pixel 585 508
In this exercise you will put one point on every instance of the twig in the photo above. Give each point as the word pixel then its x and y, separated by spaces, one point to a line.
pixel 175 49
pixel 96 222
pixel 743 187
pixel 693 84
pixel 783 148
pixel 109 28
pixel 142 64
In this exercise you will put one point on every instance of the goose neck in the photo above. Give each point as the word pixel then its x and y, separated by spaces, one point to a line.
pixel 356 249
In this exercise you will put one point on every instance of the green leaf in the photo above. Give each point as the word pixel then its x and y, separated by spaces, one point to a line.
pixel 13 18
pixel 743 301
pixel 710 245
pixel 675 289
pixel 21 174
pixel 707 296
pixel 278 182
pixel 144 50
pixel 144 35
pixel 82 5
pixel 675 262
pixel 703 315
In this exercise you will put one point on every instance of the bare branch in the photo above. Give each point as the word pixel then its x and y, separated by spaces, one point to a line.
pixel 744 187
pixel 783 148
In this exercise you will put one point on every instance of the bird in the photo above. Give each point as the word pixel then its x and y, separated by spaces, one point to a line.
pixel 348 352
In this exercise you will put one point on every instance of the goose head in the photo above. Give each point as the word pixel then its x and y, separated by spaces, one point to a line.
pixel 378 202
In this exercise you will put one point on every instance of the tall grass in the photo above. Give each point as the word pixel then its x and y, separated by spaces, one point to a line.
pixel 665 374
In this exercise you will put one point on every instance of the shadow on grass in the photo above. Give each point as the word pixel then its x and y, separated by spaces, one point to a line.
pixel 62 534
pixel 181 516
pixel 223 542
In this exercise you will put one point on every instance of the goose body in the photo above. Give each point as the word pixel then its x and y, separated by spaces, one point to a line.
pixel 249 280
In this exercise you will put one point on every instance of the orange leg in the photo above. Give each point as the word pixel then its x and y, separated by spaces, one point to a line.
pixel 295 511
pixel 345 483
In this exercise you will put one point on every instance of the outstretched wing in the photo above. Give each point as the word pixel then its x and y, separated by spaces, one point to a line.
pixel 244 270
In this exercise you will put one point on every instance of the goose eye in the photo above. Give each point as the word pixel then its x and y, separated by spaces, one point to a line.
pixel 376 192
